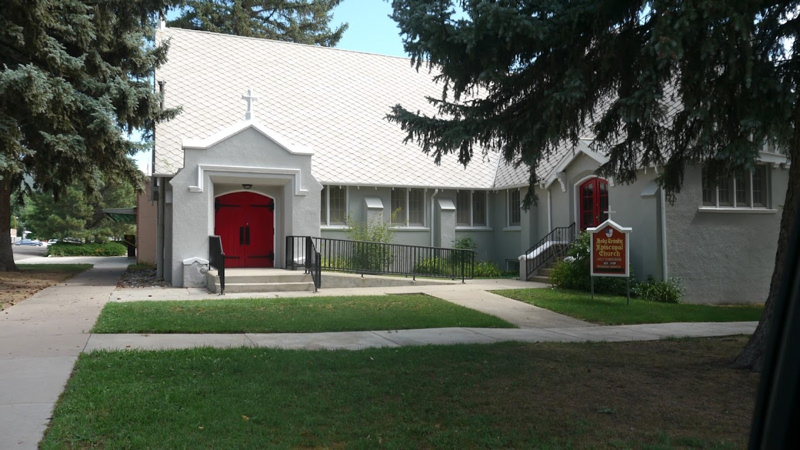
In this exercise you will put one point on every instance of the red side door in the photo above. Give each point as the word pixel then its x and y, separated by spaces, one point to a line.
pixel 245 223
pixel 593 202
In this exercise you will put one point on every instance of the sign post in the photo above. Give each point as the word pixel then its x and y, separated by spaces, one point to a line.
pixel 609 253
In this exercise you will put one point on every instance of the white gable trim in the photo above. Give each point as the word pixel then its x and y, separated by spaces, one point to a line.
pixel 225 133
pixel 557 173
pixel 294 175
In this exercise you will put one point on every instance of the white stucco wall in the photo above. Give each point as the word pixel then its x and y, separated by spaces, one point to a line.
pixel 245 157
pixel 723 257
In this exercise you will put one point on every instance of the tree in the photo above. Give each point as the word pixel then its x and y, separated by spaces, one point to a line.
pixel 301 21
pixel 660 82
pixel 74 82
pixel 79 215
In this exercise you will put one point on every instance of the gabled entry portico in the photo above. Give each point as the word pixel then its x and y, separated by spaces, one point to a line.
pixel 247 185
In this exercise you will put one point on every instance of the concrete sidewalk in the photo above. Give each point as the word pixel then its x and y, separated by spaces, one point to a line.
pixel 356 340
pixel 41 340
pixel 43 336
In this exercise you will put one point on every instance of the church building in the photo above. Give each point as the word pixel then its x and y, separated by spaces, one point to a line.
pixel 277 139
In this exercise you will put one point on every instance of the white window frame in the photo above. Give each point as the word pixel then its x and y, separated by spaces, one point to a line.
pixel 472 194
pixel 405 219
pixel 326 220
pixel 737 204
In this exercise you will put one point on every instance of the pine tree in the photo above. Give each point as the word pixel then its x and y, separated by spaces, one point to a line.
pixel 301 21
pixel 663 83
pixel 75 80
pixel 79 215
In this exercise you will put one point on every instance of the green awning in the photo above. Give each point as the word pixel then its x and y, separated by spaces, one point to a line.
pixel 121 215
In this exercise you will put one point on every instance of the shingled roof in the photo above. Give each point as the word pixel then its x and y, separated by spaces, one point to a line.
pixel 331 101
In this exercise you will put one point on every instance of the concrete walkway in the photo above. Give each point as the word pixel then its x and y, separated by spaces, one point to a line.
pixel 43 336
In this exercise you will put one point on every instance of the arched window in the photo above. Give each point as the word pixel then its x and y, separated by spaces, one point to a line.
pixel 593 202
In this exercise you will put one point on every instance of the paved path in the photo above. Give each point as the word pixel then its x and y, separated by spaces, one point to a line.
pixel 43 336
pixel 40 339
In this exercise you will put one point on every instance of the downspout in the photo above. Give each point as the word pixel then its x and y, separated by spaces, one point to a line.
pixel 433 211
pixel 664 271
pixel 160 262
pixel 549 212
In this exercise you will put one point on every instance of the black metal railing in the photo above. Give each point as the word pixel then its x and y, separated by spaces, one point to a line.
pixel 553 245
pixel 375 258
pixel 313 263
pixel 216 259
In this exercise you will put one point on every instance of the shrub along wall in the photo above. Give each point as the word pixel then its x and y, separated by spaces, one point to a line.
pixel 106 249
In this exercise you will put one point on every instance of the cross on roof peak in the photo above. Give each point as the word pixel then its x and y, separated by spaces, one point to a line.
pixel 250 98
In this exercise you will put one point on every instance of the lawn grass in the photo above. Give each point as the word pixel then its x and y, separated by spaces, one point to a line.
pixel 291 315
pixel 655 394
pixel 613 310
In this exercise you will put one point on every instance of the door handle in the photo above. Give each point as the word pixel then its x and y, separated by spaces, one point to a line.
pixel 241 235
pixel 247 235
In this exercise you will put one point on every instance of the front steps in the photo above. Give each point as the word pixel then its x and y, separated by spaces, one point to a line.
pixel 543 274
pixel 260 280
pixel 280 280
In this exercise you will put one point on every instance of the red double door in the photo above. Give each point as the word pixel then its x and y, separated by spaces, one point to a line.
pixel 593 202
pixel 245 223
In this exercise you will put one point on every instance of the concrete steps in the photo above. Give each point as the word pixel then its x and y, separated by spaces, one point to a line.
pixel 260 280
pixel 543 274
pixel 280 280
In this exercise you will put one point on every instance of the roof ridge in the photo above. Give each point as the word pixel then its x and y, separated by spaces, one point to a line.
pixel 276 41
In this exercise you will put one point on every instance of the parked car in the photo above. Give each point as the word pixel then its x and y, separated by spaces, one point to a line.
pixel 30 242
pixel 52 241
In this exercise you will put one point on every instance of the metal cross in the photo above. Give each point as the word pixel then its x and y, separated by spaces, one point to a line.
pixel 250 98
pixel 608 214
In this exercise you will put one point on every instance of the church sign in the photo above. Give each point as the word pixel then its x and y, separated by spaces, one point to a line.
pixel 609 251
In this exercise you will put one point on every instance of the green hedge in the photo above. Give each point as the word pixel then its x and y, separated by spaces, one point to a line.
pixel 106 249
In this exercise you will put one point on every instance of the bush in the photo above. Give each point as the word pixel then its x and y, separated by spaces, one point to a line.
pixel 106 249
pixel 487 269
pixel 573 272
pixel 434 266
pixel 366 257
pixel 669 291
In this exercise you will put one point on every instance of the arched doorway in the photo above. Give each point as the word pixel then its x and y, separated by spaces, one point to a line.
pixel 593 202
pixel 245 223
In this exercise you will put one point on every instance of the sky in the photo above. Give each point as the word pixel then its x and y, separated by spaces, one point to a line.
pixel 370 30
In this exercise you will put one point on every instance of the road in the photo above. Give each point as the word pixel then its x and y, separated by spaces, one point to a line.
pixel 23 252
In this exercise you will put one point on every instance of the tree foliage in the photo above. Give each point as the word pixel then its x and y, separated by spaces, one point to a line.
pixel 78 214
pixel 661 82
pixel 74 83
pixel 301 21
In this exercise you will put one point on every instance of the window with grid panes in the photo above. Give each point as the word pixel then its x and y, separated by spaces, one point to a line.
pixel 746 189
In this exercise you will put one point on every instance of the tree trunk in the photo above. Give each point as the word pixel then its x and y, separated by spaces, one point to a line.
pixel 6 252
pixel 752 356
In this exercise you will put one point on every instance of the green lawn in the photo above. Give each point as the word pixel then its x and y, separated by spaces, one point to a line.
pixel 656 394
pixel 613 310
pixel 291 315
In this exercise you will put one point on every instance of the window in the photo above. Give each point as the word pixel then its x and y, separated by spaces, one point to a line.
pixel 408 207
pixel 746 189
pixel 513 208
pixel 471 209
pixel 333 206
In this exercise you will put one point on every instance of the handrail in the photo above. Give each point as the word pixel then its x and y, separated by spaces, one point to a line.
pixel 216 258
pixel 313 263
pixel 554 244
pixel 376 258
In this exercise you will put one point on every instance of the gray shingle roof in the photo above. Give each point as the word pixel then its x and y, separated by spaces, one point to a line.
pixel 329 100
